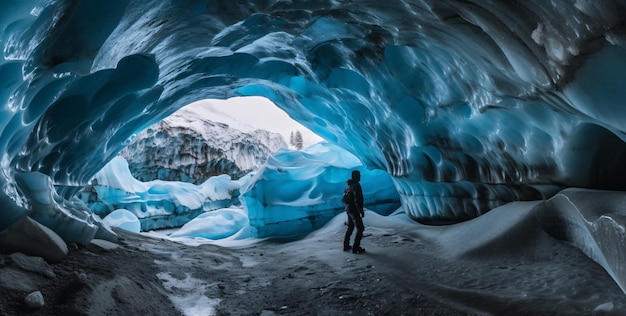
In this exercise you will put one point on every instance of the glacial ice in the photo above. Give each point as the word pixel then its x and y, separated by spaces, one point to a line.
pixel 298 191
pixel 123 219
pixel 593 221
pixel 294 193
pixel 215 225
pixel 157 204
pixel 467 105
pixel 70 219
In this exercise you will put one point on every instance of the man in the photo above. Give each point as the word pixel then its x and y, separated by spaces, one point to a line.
pixel 354 208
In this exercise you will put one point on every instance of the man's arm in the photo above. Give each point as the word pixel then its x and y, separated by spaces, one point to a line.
pixel 358 196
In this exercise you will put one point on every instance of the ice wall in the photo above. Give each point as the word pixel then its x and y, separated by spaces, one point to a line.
pixel 593 221
pixel 298 191
pixel 467 104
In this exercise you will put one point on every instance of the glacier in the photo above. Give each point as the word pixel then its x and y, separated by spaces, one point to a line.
pixel 187 146
pixel 156 204
pixel 294 193
pixel 468 105
pixel 298 191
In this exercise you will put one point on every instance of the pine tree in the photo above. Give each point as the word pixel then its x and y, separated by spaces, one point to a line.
pixel 292 141
pixel 299 143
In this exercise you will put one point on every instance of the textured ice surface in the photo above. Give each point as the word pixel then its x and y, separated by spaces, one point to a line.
pixel 299 191
pixel 123 219
pixel 467 105
pixel 214 225
pixel 595 222
pixel 71 220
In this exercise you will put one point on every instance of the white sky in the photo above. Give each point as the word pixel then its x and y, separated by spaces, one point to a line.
pixel 248 113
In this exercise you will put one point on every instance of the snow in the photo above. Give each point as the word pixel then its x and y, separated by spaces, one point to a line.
pixel 191 301
pixel 157 204
pixel 507 264
pixel 248 114
pixel 214 225
pixel 527 233
pixel 515 231
pixel 123 219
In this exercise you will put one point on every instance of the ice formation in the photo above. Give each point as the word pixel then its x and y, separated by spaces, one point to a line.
pixel 123 219
pixel 294 193
pixel 466 104
pixel 216 225
pixel 156 204
pixel 298 191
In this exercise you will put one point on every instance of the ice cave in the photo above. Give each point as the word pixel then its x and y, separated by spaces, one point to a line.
pixel 460 106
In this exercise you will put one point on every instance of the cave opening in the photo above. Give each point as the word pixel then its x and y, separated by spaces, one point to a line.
pixel 211 137
pixel 598 156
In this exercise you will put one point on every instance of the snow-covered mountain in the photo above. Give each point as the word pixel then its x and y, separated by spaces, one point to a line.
pixel 188 146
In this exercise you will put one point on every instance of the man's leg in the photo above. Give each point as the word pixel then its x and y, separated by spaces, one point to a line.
pixel 359 232
pixel 346 239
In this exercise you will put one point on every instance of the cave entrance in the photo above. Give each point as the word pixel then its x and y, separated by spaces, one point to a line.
pixel 213 137
pixel 193 163
pixel 249 113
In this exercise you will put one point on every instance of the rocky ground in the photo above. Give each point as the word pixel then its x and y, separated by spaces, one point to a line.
pixel 401 274
pixel 132 279
pixel 92 280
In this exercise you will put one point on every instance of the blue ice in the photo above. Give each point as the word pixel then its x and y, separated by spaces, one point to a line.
pixel 157 204
pixel 465 107
pixel 298 191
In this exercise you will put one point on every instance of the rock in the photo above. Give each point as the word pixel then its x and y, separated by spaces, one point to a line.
pixel 33 264
pixel 79 277
pixel 17 280
pixel 29 237
pixel 104 232
pixel 603 308
pixel 104 244
pixel 34 300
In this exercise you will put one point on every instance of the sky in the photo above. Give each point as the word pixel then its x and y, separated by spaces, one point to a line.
pixel 249 113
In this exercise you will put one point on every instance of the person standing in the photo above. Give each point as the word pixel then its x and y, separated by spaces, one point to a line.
pixel 353 198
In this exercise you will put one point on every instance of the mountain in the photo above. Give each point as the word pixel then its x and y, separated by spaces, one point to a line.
pixel 187 146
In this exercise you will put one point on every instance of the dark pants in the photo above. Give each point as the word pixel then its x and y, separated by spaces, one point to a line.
pixel 354 219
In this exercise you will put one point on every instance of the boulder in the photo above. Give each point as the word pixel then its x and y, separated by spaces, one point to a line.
pixel 34 300
pixel 31 238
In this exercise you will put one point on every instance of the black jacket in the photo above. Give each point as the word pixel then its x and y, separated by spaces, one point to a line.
pixel 357 193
